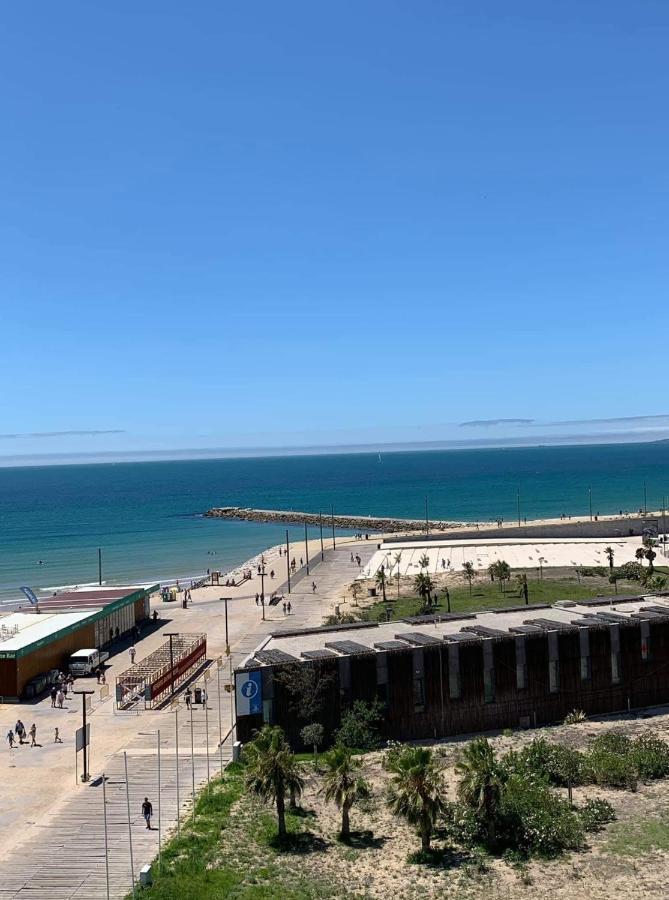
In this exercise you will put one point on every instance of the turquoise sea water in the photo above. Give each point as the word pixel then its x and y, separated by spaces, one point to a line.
pixel 146 516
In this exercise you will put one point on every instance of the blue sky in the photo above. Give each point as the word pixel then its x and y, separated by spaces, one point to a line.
pixel 269 224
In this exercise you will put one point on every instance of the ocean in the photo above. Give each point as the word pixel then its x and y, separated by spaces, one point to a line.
pixel 146 516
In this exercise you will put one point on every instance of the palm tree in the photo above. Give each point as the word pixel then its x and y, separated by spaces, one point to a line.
pixel 650 555
pixel 398 559
pixel 481 784
pixel 470 574
pixel 271 770
pixel 381 581
pixel 640 554
pixel 503 573
pixel 424 586
pixel 610 553
pixel 424 561
pixel 343 785
pixel 416 791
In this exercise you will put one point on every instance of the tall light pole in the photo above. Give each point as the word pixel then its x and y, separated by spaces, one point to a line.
pixel 334 543
pixel 518 499
pixel 427 521
pixel 171 635
pixel 219 663
pixel 321 524
pixel 176 751
pixel 590 501
pixel 104 813
pixel 645 500
pixel 263 576
pixel 160 828
pixel 306 546
pixel 127 800
pixel 86 776
pixel 287 561
pixel 192 756
pixel 99 566
pixel 227 642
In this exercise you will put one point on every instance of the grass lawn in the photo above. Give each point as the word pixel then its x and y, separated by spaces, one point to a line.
pixel 638 837
pixel 230 852
pixel 486 594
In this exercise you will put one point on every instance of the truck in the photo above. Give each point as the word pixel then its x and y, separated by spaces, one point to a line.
pixel 85 662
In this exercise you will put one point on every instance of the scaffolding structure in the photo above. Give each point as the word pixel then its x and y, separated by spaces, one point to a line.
pixel 154 678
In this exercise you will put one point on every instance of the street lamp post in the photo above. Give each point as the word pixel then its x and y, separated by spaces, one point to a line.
pixel 219 663
pixel 263 576
pixel 86 776
pixel 321 524
pixel 590 501
pixel 518 500
pixel 287 560
pixel 427 520
pixel 171 635
pixel 227 642
pixel 306 546
pixel 334 543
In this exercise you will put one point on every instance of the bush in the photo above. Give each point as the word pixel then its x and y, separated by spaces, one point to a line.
pixel 595 814
pixel 651 757
pixel 536 820
pixel 552 763
pixel 574 717
pixel 632 571
pixel 360 726
pixel 611 762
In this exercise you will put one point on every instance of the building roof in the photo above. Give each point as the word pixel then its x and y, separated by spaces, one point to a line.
pixel 94 598
pixel 19 630
pixel 488 625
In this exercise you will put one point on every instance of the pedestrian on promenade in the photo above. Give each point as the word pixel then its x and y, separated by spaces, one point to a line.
pixel 54 694
pixel 97 674
pixel 187 697
pixel 59 698
pixel 10 739
pixel 33 735
pixel 64 689
pixel 280 551
pixel 352 560
pixel 257 599
pixel 131 653
pixel 20 730
pixel 271 574
pixel 203 697
pixel 288 607
pixel 56 736
pixel 301 562
pixel 147 812
pixel 313 587
pixel 284 609
pixel 103 677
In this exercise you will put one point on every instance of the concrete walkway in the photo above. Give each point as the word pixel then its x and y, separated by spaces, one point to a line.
pixel 52 839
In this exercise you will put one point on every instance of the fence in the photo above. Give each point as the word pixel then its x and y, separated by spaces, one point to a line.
pixel 154 678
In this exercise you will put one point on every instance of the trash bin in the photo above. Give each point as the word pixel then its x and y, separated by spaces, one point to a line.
pixel 197 695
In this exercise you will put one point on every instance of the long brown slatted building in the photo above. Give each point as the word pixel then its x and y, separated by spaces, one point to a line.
pixel 453 674
pixel 33 643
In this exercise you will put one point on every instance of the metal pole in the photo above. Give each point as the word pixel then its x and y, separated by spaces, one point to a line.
pixel 288 559
pixel 664 524
pixel 321 524
pixel 306 546
pixel 170 635
pixel 645 500
pixel 160 830
pixel 227 642
pixel 99 566
pixel 518 498
pixel 427 521
pixel 192 756
pixel 220 723
pixel 206 728
pixel 590 499
pixel 104 815
pixel 233 699
pixel 334 543
pixel 176 746
pixel 85 776
pixel 262 603
pixel 127 800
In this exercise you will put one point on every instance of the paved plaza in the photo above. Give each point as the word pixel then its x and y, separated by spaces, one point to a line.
pixel 52 837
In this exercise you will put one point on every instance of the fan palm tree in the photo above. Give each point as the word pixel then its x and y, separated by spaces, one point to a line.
pixel 610 553
pixel 469 573
pixel 424 561
pixel 650 555
pixel 343 784
pixel 481 784
pixel 381 581
pixel 424 586
pixel 272 770
pixel 640 554
pixel 416 791
pixel 398 560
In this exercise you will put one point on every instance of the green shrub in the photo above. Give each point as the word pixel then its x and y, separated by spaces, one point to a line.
pixel 611 763
pixel 574 717
pixel 553 763
pixel 632 571
pixel 360 726
pixel 595 814
pixel 651 757
pixel 536 820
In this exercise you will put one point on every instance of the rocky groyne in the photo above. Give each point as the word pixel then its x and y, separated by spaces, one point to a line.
pixel 364 524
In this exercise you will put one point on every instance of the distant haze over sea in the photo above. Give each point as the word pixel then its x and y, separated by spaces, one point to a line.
pixel 146 516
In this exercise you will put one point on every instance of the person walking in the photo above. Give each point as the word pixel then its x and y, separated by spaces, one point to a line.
pixel 64 688
pixel 313 587
pixel 147 812
pixel 10 739
pixel 54 694
pixel 187 696
pixel 33 735
pixel 56 736
pixel 19 730
pixel 203 697
pixel 97 674
pixel 288 607
pixel 284 609
pixel 132 652
pixel 59 698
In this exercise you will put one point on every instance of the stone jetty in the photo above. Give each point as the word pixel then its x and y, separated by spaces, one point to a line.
pixel 364 524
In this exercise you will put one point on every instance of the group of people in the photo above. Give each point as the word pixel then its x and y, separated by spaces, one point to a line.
pixel 19 731
pixel 60 688
pixel 357 559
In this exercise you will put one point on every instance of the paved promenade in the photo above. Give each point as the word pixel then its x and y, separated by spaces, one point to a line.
pixel 52 837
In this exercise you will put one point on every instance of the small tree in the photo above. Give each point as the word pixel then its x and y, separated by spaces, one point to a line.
pixel 416 792
pixel 481 784
pixel 650 555
pixel 307 686
pixel 398 560
pixel 523 587
pixel 312 735
pixel 610 553
pixel 343 784
pixel 640 554
pixel 424 586
pixel 469 573
pixel 503 573
pixel 381 581
pixel 360 726
pixel 271 770
pixel 424 561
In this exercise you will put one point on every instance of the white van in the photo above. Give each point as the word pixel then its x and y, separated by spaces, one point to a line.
pixel 85 662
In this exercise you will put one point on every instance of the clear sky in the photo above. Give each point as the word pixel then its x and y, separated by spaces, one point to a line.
pixel 234 224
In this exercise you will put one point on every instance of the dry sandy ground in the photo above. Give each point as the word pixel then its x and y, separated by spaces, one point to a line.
pixel 381 870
